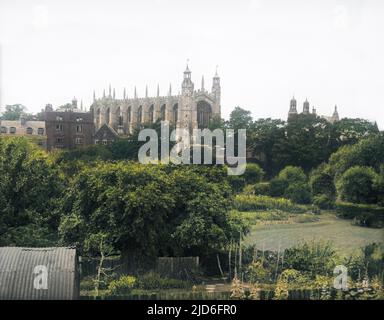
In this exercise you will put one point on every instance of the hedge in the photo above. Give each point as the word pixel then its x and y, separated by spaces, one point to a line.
pixel 261 203
pixel 368 215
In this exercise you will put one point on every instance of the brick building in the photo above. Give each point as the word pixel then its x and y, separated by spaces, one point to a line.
pixel 68 128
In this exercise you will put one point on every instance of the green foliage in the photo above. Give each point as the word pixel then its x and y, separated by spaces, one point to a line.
pixel 236 182
pixel 29 189
pixel 153 281
pixel 322 182
pixel 256 272
pixel 357 185
pixel 147 211
pixel 253 173
pixel 262 203
pixel 324 201
pixel 368 215
pixel 291 183
pixel 13 112
pixel 123 285
pixel 367 152
pixel 262 188
pixel 240 119
pixel 312 258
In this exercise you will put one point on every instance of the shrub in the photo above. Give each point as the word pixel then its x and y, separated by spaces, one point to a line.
pixel 363 214
pixel 262 188
pixel 123 285
pixel 237 183
pixel 357 185
pixel 324 201
pixel 253 173
pixel 153 281
pixel 277 187
pixel 313 258
pixel 262 203
pixel 322 184
pixel 298 192
pixel 292 175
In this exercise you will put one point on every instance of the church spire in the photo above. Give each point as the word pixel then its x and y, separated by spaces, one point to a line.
pixel 81 104
pixel 103 93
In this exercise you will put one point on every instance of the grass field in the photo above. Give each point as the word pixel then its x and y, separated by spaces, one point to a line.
pixel 346 237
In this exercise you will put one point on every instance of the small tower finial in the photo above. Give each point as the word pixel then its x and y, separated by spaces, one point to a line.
pixel 124 93
pixel 170 89
pixel 110 90
pixel 216 74
pixel 103 93
pixel 81 104
pixel 94 95
pixel 202 83
pixel 114 93
pixel 146 91
pixel 158 90
pixel 135 93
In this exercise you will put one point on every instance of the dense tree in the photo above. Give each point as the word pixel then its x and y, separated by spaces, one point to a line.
pixel 357 185
pixel 240 119
pixel 13 112
pixel 147 210
pixel 29 188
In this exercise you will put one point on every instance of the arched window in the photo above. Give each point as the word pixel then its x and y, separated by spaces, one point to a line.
pixel 204 114
pixel 4 130
pixel 107 116
pixel 140 115
pixel 175 113
pixel 98 117
pixel 29 130
pixel 162 112
pixel 129 112
pixel 150 114
pixel 12 130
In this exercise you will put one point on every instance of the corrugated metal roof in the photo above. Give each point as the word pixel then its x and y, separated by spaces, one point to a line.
pixel 17 273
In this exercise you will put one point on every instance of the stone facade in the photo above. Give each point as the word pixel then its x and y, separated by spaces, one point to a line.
pixel 191 109
pixel 32 129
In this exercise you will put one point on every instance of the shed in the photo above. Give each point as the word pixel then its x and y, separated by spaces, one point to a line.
pixel 39 273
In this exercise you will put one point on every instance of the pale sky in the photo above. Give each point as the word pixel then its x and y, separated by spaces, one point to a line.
pixel 329 51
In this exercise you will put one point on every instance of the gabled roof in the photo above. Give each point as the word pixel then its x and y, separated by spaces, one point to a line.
pixel 106 132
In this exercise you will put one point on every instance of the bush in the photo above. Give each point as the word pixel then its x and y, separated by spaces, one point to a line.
pixel 237 183
pixel 298 192
pixel 324 201
pixel 322 183
pixel 253 173
pixel 153 281
pixel 262 203
pixel 277 187
pixel 363 214
pixel 357 185
pixel 123 285
pixel 313 258
pixel 262 188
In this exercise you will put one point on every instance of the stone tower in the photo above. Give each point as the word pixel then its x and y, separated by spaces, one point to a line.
pixel 292 108
pixel 306 107
pixel 186 117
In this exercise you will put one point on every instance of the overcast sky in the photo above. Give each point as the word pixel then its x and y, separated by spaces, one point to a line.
pixel 329 51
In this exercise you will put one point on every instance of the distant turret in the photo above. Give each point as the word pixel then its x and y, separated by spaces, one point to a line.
pixel 306 107
pixel 335 115
pixel 292 107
